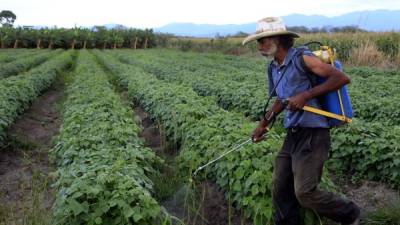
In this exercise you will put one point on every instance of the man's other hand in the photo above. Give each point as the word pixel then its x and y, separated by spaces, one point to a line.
pixel 298 101
pixel 258 133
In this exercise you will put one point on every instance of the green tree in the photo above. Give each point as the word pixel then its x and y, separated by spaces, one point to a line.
pixel 134 37
pixel 101 36
pixel 6 36
pixel 128 36
pixel 87 37
pixel 53 36
pixel 39 38
pixel 32 38
pixel 29 37
pixel 115 38
pixel 17 36
pixel 7 18
pixel 73 37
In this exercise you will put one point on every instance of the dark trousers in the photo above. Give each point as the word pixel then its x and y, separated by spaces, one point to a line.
pixel 297 173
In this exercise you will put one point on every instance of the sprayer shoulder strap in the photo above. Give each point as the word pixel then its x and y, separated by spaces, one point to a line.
pixel 270 70
pixel 301 66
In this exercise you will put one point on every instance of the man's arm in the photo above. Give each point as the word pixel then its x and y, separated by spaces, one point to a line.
pixel 269 116
pixel 334 80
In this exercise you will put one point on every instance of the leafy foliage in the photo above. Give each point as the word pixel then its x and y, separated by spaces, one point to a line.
pixel 7 18
pixel 240 93
pixel 25 63
pixel 368 150
pixel 96 37
pixel 17 92
pixel 246 176
pixel 15 54
pixel 372 94
pixel 205 131
pixel 103 168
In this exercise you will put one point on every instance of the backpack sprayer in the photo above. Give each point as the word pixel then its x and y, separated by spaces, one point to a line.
pixel 335 104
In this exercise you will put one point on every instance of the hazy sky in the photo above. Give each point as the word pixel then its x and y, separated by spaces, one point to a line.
pixel 142 13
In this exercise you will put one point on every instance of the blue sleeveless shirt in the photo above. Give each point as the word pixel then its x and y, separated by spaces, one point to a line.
pixel 295 81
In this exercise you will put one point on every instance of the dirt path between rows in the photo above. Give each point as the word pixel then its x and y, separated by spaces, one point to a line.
pixel 371 195
pixel 207 206
pixel 25 193
pixel 212 208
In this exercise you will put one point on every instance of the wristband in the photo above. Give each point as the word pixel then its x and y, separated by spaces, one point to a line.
pixel 270 118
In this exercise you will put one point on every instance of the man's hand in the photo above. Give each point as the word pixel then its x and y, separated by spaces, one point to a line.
pixel 258 133
pixel 298 101
pixel 269 117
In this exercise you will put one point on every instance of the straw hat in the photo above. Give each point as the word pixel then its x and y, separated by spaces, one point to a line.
pixel 268 27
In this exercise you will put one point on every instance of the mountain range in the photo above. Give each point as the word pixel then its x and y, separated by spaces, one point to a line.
pixel 377 20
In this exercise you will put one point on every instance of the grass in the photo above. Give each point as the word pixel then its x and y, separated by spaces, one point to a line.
pixel 30 208
pixel 168 181
pixel 362 48
pixel 368 54
pixel 29 198
pixel 389 215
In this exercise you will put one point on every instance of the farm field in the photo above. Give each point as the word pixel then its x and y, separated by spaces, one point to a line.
pixel 122 131
pixel 375 49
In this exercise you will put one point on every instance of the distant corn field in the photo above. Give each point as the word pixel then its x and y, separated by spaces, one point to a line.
pixel 362 48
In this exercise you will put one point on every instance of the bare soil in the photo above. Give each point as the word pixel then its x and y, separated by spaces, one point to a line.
pixel 371 196
pixel 205 204
pixel 150 132
pixel 25 192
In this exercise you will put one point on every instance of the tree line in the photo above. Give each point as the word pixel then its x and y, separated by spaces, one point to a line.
pixel 77 37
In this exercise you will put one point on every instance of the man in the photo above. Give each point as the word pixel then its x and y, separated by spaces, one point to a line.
pixel 299 164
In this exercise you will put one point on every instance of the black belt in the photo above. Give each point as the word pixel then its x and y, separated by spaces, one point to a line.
pixel 294 129
pixel 297 129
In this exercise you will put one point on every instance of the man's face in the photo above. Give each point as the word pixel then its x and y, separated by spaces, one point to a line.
pixel 267 46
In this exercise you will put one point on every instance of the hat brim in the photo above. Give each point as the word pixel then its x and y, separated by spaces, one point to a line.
pixel 253 37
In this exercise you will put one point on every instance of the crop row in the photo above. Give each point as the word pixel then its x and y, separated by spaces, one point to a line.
pixel 246 97
pixel 249 97
pixel 103 168
pixel 249 70
pixel 373 97
pixel 368 150
pixel 204 132
pixel 5 52
pixel 25 63
pixel 15 54
pixel 381 105
pixel 17 92
pixel 242 94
